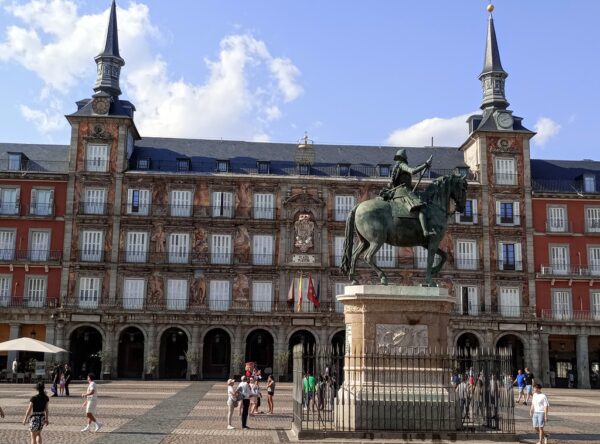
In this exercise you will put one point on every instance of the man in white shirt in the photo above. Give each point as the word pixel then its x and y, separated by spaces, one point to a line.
pixel 539 412
pixel 244 388
pixel 91 397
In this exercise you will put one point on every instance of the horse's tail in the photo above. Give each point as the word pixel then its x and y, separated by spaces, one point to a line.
pixel 348 242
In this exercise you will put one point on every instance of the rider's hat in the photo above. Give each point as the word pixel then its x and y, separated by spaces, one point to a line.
pixel 401 155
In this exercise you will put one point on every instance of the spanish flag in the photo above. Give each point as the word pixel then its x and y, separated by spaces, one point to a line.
pixel 311 294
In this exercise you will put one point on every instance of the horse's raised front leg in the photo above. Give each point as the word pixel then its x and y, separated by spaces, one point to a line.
pixel 370 258
pixel 432 249
pixel 360 248
pixel 444 257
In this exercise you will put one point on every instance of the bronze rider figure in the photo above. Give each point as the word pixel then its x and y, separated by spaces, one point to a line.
pixel 400 188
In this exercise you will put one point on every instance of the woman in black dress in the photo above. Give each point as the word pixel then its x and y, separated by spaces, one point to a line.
pixel 37 412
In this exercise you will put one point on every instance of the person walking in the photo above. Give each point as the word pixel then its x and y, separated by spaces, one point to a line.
pixel 539 413
pixel 15 366
pixel 244 389
pixel 55 379
pixel 254 393
pixel 91 399
pixel 520 383
pixel 528 385
pixel 232 402
pixel 270 394
pixel 67 374
pixel 37 413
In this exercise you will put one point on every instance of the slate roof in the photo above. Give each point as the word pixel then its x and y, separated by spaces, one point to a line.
pixel 41 158
pixel 565 176
pixel 118 108
pixel 243 156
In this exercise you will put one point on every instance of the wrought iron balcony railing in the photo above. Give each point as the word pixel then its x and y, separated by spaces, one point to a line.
pixel 566 314
pixel 568 270
pixel 30 255
pixel 505 311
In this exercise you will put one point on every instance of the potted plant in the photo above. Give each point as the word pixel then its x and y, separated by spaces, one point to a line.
pixel 237 362
pixel 105 357
pixel 282 359
pixel 151 365
pixel 193 359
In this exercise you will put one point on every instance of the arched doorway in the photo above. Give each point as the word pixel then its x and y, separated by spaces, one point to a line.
pixel 467 342
pixel 130 362
pixel 173 345
pixel 84 345
pixel 216 357
pixel 467 345
pixel 259 349
pixel 338 342
pixel 307 339
pixel 514 344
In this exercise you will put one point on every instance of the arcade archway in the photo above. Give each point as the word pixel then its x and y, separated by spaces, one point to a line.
pixel 515 345
pixel 84 344
pixel 307 339
pixel 259 349
pixel 130 362
pixel 467 342
pixel 216 357
pixel 172 362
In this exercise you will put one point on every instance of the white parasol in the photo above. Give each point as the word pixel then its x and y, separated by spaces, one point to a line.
pixel 31 345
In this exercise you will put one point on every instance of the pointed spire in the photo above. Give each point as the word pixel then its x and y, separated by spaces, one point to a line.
pixel 109 61
pixel 493 75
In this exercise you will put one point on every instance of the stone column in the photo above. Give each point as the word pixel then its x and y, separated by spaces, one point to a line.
pixel 237 351
pixel 193 347
pixel 583 365
pixel 533 351
pixel 50 339
pixel 108 346
pixel 279 365
pixel 60 341
pixel 545 359
pixel 150 346
pixel 15 329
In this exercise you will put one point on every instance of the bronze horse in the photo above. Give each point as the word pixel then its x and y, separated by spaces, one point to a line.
pixel 375 225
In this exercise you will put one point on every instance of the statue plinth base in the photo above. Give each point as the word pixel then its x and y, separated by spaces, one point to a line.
pixel 392 376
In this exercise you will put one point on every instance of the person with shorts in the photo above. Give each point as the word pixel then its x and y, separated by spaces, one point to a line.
pixel 528 385
pixel 91 399
pixel 520 383
pixel 37 412
pixel 539 413
pixel 270 394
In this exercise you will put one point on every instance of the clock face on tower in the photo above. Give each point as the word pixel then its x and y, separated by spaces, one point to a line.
pixel 100 105
pixel 504 120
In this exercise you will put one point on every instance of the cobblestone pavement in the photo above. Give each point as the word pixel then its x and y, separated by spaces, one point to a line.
pixel 167 412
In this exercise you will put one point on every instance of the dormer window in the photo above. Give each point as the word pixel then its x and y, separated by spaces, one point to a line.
pixel 589 183
pixel 222 166
pixel 143 164
pixel 383 170
pixel 15 161
pixel 303 169
pixel 183 164
pixel 264 167
pixel 343 169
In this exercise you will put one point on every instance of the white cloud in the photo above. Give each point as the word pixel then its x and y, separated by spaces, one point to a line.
pixel 451 131
pixel 243 92
pixel 46 120
pixel 546 129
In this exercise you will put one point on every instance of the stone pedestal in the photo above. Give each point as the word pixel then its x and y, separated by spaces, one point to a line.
pixel 393 377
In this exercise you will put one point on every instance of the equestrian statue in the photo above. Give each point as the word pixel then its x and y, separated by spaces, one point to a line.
pixel 401 218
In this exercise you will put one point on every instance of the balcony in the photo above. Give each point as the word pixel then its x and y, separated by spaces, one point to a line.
pixel 510 220
pixel 8 302
pixel 506 179
pixel 507 265
pixel 571 315
pixel 93 209
pixel 91 255
pixel 464 219
pixel 570 271
pixel 263 259
pixel 39 209
pixel 502 311
pixel 467 264
pixel 592 225
pixel 559 226
pixel 96 165
pixel 30 255
pixel 10 209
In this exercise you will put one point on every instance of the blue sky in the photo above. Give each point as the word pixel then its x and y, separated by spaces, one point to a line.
pixel 353 72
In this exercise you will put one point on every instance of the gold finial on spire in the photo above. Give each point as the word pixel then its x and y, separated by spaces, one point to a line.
pixel 490 7
pixel 305 141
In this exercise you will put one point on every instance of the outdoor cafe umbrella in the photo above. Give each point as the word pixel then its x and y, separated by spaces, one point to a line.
pixel 30 345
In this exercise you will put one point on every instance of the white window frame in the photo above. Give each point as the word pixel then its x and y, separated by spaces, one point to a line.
pixel 593 254
pixel 10 205
pixel 39 252
pixel 180 203
pixel 136 247
pixel 8 239
pixel 134 292
pixel 88 292
pixel 505 171
pixel 264 206
pixel 222 204
pixel 143 201
pixel 338 250
pixel 464 259
pixel 38 208
pixel 262 249
pixel 509 301
pixel 36 290
pixel 557 218
pixel 15 161
pixel 179 248
pixel 343 205
pixel 177 294
pixel 92 252
pixel 262 296
pixel 562 304
pixel 518 255
pixel 468 294
pixel 386 256
pixel 595 304
pixel 95 200
pixel 516 212
pixel 339 289
pixel 220 249
pixel 592 219
pixel 589 183
pixel 559 259
pixel 96 158
pixel 219 295
pixel 460 217
pixel 5 290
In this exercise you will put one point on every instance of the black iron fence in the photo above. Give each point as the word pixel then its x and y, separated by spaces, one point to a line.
pixel 402 390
